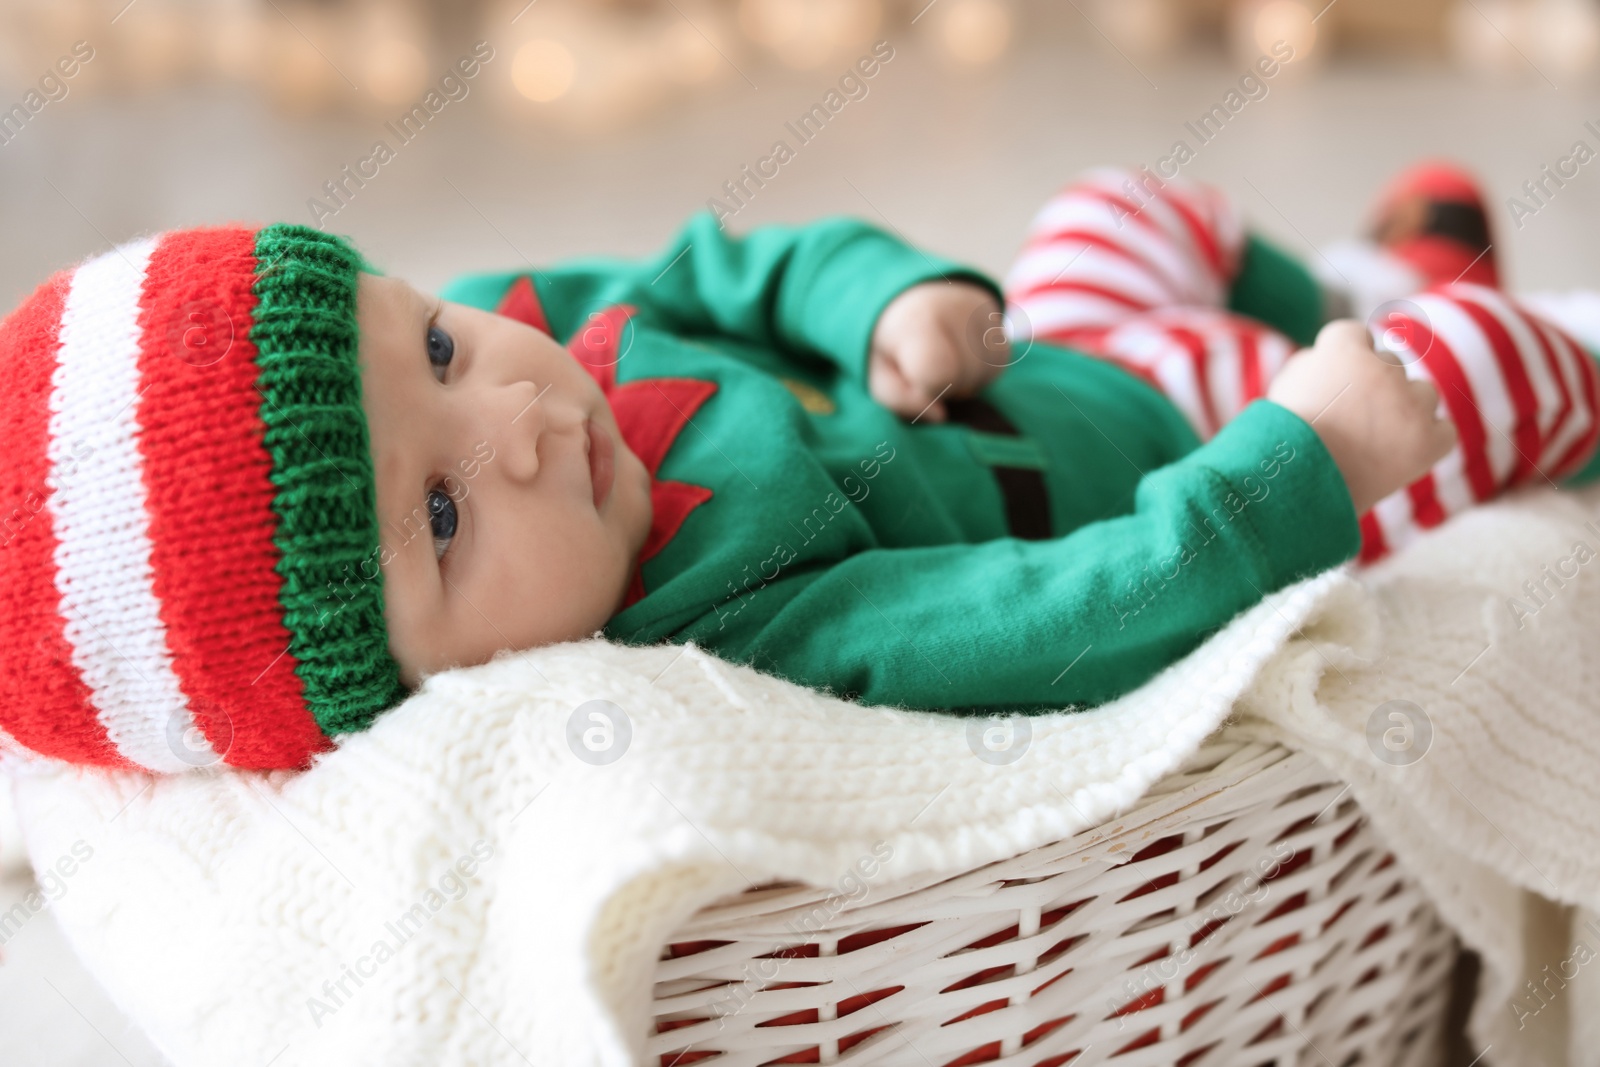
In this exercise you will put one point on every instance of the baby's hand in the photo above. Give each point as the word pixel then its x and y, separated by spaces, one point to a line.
pixel 1381 427
pixel 934 341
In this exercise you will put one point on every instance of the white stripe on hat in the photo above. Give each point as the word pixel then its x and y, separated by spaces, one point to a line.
pixel 103 572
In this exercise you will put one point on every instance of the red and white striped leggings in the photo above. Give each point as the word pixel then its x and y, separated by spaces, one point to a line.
pixel 1143 279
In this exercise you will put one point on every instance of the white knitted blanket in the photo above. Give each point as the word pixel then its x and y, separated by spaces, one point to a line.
pixel 458 887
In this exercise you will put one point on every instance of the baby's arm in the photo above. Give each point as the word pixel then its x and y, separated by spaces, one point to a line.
pixel 1382 428
pixel 936 341
pixel 1272 498
pixel 1078 619
pixel 812 291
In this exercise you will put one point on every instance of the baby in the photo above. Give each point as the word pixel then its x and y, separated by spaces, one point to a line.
pixel 257 491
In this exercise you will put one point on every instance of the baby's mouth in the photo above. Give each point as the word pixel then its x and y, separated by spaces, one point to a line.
pixel 602 461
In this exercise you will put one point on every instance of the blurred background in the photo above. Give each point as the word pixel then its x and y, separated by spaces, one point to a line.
pixel 599 125
pixel 447 136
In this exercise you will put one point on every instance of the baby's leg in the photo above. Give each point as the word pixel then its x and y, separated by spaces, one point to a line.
pixel 1522 393
pixel 1112 246
pixel 1139 277
pixel 1142 273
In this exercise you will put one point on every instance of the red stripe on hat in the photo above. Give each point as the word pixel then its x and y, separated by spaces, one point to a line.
pixel 44 703
pixel 210 508
pixel 1525 405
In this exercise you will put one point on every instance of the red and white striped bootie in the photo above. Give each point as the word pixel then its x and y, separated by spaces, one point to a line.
pixel 1428 227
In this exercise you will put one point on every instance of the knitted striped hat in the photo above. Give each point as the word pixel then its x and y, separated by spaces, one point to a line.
pixel 188 530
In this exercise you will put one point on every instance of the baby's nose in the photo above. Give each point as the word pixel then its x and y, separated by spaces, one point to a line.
pixel 526 414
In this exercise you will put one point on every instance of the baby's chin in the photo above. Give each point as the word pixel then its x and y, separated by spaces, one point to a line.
pixel 627 516
pixel 639 511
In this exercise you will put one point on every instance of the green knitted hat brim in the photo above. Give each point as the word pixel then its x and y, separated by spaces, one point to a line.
pixel 306 341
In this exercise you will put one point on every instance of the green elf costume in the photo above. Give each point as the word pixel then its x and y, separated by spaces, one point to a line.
pixel 1060 540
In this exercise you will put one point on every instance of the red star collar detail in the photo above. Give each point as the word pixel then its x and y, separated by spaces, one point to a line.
pixel 650 413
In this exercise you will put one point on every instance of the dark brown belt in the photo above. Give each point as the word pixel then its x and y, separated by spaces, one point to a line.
pixel 1027 500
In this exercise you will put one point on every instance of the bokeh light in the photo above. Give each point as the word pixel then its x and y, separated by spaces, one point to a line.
pixel 805 34
pixel 1146 28
pixel 1289 21
pixel 543 70
pixel 976 32
pixel 1565 37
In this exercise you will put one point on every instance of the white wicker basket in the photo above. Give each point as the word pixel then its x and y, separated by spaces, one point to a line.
pixel 1244 913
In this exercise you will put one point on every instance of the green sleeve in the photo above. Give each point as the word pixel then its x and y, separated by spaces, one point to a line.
pixel 816 289
pixel 1275 288
pixel 1080 619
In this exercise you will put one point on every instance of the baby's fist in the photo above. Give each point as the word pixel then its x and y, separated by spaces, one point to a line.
pixel 1382 428
pixel 933 341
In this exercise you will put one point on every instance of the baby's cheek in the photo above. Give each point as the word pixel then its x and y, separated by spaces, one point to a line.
pixel 581 575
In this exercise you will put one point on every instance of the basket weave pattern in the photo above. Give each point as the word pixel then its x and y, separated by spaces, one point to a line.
pixel 1243 913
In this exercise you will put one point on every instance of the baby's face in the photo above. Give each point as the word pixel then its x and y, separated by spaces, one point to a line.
pixel 510 510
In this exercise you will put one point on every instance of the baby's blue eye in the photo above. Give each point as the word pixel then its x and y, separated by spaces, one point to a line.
pixel 441 348
pixel 442 516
